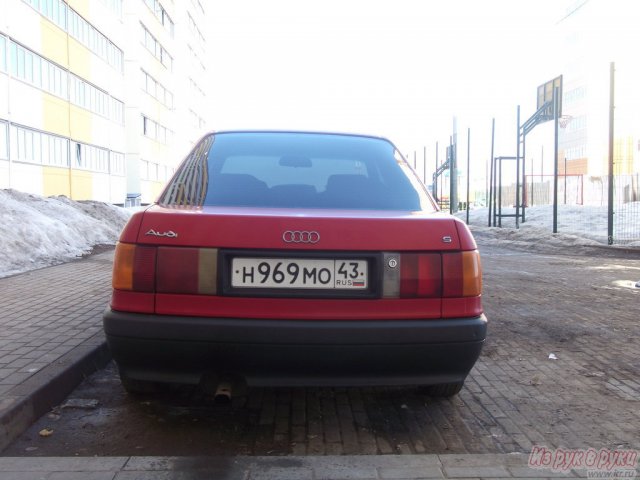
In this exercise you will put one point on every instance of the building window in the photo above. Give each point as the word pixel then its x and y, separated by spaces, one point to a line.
pixel 54 10
pixel 4 141
pixel 156 90
pixel 90 37
pixel 116 163
pixel 161 14
pixel 144 170
pixel 32 146
pixel 117 111
pixel 155 131
pixel 195 31
pixel 90 157
pixel 32 68
pixel 195 59
pixel 3 53
pixel 153 172
pixel 197 121
pixel 576 152
pixel 27 66
pixel 89 97
pixel 198 5
pixel 156 49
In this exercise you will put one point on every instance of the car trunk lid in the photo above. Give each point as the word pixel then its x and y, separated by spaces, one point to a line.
pixel 244 228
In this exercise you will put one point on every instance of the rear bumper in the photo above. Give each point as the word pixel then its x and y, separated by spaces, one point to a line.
pixel 295 352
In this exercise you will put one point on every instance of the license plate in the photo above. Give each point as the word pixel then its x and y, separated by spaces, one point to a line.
pixel 283 273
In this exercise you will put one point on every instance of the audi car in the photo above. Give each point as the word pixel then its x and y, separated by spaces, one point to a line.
pixel 295 259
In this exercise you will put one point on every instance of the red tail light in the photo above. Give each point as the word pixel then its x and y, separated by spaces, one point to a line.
pixel 187 270
pixel 165 269
pixel 420 275
pixel 177 269
pixel 432 275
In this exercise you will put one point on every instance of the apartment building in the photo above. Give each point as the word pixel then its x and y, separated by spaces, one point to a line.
pixel 99 99
pixel 165 103
pixel 595 33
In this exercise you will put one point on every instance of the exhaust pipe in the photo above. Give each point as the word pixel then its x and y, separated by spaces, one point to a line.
pixel 223 393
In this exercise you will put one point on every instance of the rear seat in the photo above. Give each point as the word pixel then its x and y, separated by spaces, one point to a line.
pixel 350 191
pixel 237 189
pixel 294 195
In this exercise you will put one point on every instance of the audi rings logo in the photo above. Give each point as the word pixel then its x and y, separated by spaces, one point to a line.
pixel 295 236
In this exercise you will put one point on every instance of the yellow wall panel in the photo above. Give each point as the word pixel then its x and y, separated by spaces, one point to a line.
pixel 54 43
pixel 55 114
pixel 156 189
pixel 56 181
pixel 81 185
pixel 159 150
pixel 82 7
pixel 79 59
pixel 81 125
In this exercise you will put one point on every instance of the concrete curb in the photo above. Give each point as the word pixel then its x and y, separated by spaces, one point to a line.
pixel 25 403
pixel 331 467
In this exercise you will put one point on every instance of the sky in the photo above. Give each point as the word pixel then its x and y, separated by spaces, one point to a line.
pixel 400 69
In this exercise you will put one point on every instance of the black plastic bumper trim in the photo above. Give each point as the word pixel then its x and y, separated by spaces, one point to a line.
pixel 298 332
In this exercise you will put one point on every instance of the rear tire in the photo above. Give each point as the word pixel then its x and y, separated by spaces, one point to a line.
pixel 442 390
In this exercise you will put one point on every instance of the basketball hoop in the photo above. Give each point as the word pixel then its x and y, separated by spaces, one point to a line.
pixel 564 120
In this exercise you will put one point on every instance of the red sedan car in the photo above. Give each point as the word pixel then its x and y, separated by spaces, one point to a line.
pixel 292 258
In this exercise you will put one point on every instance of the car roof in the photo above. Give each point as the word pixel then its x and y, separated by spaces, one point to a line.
pixel 302 132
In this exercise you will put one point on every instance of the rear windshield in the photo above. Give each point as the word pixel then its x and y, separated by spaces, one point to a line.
pixel 296 170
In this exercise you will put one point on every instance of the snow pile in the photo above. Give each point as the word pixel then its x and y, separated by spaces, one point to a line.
pixel 37 231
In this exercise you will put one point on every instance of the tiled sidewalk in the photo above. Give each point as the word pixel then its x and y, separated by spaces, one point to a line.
pixel 50 337
pixel 365 467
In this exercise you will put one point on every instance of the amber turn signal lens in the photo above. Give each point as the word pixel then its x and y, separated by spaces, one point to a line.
pixel 471 274
pixel 123 266
pixel 462 274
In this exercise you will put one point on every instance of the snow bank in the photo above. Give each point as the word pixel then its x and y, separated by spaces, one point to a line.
pixel 579 227
pixel 37 231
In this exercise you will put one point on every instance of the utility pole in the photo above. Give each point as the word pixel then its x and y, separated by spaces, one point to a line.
pixel 612 75
pixel 491 193
pixel 531 181
pixel 556 105
pixel 435 180
pixel 468 168
pixel 518 171
pixel 424 165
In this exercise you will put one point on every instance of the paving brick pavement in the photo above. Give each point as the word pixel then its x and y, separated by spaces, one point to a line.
pixel 345 467
pixel 579 308
pixel 50 337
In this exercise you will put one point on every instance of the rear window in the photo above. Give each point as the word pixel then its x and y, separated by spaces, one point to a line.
pixel 296 170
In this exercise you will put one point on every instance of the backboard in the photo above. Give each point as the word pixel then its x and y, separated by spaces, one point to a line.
pixel 545 94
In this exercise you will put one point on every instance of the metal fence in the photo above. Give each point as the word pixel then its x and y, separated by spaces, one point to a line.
pixel 583 204
pixel 626 209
